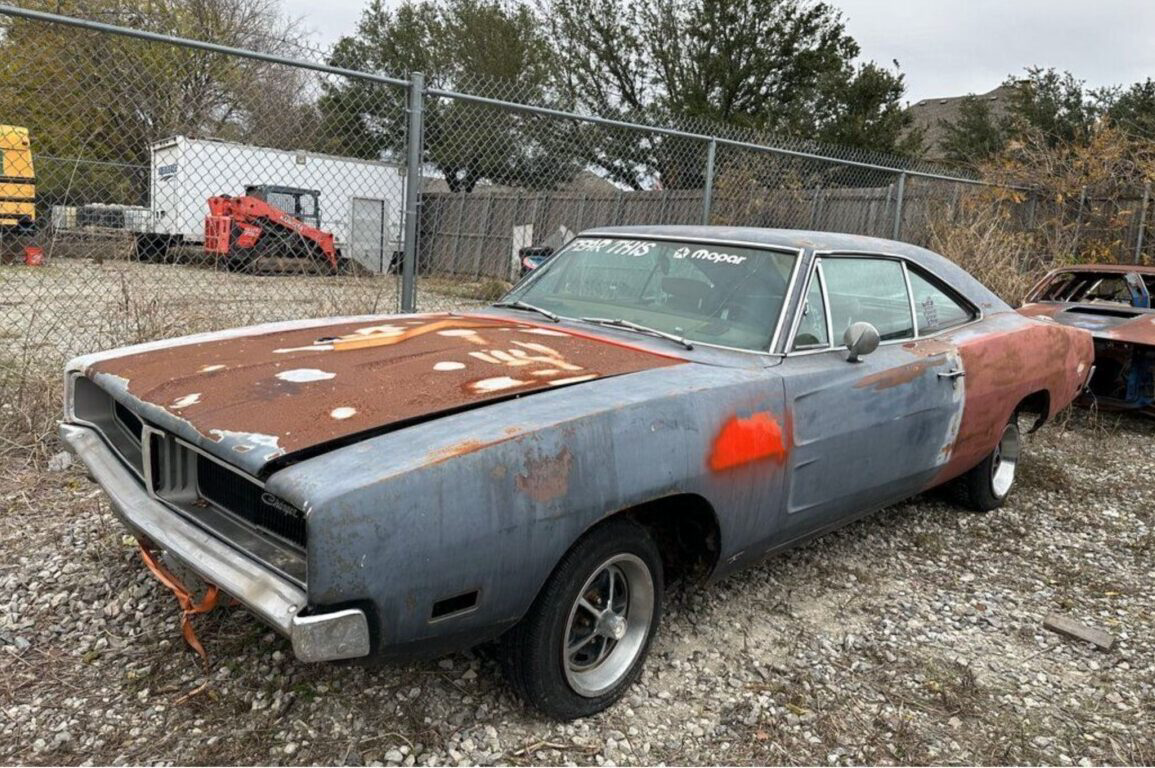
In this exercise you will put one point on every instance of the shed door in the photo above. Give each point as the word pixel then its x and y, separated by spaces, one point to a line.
pixel 367 234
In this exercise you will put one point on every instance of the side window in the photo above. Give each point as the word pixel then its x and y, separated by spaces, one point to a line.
pixel 870 290
pixel 812 331
pixel 935 310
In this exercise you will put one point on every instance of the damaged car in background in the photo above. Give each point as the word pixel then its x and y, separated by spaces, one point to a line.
pixel 651 403
pixel 1114 303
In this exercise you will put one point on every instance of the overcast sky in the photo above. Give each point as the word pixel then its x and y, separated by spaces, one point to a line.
pixel 944 47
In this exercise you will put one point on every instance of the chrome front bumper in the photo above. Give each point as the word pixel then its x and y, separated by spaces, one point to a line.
pixel 278 602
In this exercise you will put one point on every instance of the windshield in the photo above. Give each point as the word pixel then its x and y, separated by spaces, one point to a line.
pixel 715 294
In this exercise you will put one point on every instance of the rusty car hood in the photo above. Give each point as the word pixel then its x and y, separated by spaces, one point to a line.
pixel 1117 322
pixel 253 398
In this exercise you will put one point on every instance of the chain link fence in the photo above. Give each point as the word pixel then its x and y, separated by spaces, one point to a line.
pixel 154 186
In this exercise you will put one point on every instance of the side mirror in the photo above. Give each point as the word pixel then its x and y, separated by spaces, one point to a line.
pixel 860 339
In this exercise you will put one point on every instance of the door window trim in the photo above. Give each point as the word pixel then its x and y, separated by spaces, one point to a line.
pixel 816 265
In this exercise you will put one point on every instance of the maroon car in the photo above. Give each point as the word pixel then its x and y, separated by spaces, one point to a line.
pixel 1114 302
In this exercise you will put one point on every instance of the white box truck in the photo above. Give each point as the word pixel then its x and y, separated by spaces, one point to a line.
pixel 361 201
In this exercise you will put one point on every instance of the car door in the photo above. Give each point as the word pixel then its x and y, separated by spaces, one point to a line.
pixel 866 433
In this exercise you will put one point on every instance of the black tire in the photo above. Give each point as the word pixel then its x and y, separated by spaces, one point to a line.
pixel 533 655
pixel 988 485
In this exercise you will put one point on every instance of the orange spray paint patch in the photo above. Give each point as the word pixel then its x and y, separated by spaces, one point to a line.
pixel 746 439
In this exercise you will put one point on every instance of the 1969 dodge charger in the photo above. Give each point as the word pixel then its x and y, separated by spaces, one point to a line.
pixel 650 403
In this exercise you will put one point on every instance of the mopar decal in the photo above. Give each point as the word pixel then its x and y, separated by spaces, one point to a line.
pixel 702 254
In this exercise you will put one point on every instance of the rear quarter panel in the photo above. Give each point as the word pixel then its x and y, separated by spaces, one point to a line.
pixel 1008 357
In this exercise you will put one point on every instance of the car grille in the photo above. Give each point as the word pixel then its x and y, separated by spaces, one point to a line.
pixel 232 505
pixel 128 420
pixel 230 491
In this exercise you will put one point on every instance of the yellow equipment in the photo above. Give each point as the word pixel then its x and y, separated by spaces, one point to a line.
pixel 17 180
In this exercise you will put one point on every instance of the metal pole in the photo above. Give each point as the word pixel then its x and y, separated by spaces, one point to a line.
pixel 898 205
pixel 479 251
pixel 156 37
pixel 1078 221
pixel 708 190
pixel 412 191
pixel 1142 222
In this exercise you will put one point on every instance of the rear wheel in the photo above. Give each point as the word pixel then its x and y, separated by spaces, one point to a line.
pixel 989 484
pixel 586 637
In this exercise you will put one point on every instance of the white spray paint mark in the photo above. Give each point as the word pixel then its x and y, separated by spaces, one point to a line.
pixel 246 441
pixel 572 380
pixel 457 332
pixel 496 384
pixel 344 412
pixel 545 372
pixel 381 330
pixel 310 348
pixel 211 368
pixel 448 365
pixel 303 375
pixel 186 401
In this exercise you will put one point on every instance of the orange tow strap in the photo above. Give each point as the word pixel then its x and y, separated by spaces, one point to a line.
pixel 188 607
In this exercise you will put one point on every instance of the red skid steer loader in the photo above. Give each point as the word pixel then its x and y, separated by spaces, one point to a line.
pixel 270 230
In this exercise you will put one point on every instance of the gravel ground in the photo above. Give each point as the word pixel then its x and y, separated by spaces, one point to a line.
pixel 911 637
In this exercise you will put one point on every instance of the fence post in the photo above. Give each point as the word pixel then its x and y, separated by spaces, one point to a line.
pixel 1032 201
pixel 708 192
pixel 479 251
pixel 1142 221
pixel 816 204
pixel 1078 222
pixel 414 138
pixel 899 194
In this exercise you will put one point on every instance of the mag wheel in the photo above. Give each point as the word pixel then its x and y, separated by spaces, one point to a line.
pixel 586 637
pixel 989 484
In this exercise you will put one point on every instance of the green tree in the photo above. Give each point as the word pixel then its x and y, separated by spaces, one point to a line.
pixel 1133 110
pixel 95 102
pixel 1054 105
pixel 466 45
pixel 1046 107
pixel 864 111
pixel 782 67
pixel 975 136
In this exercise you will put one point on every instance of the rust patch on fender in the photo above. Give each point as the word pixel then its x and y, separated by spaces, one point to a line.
pixel 1002 368
pixel 546 479
pixel 462 448
pixel 930 347
pixel 746 439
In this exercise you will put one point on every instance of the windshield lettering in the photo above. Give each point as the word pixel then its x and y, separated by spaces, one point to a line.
pixel 729 295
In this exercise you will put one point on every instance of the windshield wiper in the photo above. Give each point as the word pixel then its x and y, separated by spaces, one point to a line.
pixel 519 304
pixel 615 322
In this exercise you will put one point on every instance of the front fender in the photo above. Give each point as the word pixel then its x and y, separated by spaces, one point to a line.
pixel 488 501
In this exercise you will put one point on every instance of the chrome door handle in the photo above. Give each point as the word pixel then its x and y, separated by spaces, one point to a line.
pixel 957 373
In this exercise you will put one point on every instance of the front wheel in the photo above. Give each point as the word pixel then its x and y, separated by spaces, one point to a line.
pixel 990 482
pixel 587 635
